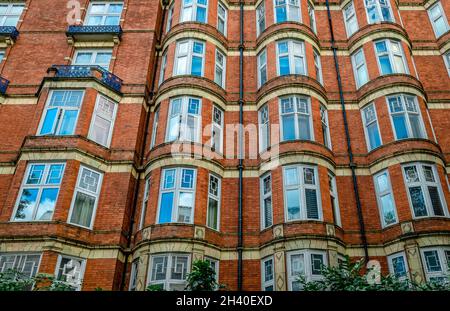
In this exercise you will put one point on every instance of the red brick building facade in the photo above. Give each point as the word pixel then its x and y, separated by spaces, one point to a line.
pixel 345 105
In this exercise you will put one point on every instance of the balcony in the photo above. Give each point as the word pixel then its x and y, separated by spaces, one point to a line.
pixel 8 34
pixel 94 33
pixel 105 77
pixel 3 85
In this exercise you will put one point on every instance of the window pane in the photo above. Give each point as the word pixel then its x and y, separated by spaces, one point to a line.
pixel 398 264
pixel 268 212
pixel 26 204
pixel 212 213
pixel 288 127
pixel 83 209
pixel 418 201
pixel 196 66
pixel 101 130
pixel 179 268
pixel 316 264
pixel 304 128
pixel 187 179
pixel 83 58
pixel 400 126
pixel 55 174
pixel 284 65
pixel 47 204
pixel 281 14
pixel 35 175
pixel 388 209
pixel 89 180
pixel 159 268
pixel 374 136
pixel 169 178
pixel 415 126
pixel 385 64
pixel 290 176
pixel 312 209
pixel 166 205
pixel 435 201
pixel 68 122
pixel 185 206
pixel 432 260
pixel 293 204
pixel 49 121
pixel 201 14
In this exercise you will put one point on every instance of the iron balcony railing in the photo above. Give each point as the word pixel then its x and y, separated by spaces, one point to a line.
pixel 90 71
pixel 100 29
pixel 9 31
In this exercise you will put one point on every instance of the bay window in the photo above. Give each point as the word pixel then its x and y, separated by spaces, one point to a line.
pixel 222 15
pixel 102 13
pixel 306 263
pixel 61 112
pixel 296 119
pixel 301 193
pixel 438 19
pixel 220 70
pixel 360 68
pixel 287 10
pixel 385 199
pixel 70 271
pixel 194 11
pixel 390 57
pixel 371 128
pixel 169 271
pixel 39 192
pixel 10 13
pixel 85 198
pixel 102 123
pixel 100 58
pixel 266 201
pixel 398 266
pixel 260 18
pixel 214 193
pixel 405 117
pixel 378 11
pixel 291 57
pixel 190 55
pixel 184 119
pixel 264 128
pixel 27 264
pixel 177 193
pixel 262 68
pixel 424 190
pixel 351 21
pixel 436 264
pixel 267 274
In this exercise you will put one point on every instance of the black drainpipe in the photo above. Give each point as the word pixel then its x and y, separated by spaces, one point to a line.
pixel 362 229
pixel 142 151
pixel 241 139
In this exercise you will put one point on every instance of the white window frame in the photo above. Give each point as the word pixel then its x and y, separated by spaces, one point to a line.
pixel 169 23
pixel 295 99
pixel 447 61
pixel 222 67
pixel 407 113
pixel 95 195
pixel 168 281
pixel 442 15
pixel 216 198
pixel 301 187
pixel 190 54
pixel 379 12
pixel 94 53
pixel 350 19
pixel 334 197
pixel 391 55
pixel 260 16
pixel 134 274
pixel 296 5
pixel 391 266
pixel 307 264
pixel 217 128
pixel 423 184
pixel 271 282
pixel 183 117
pixel 193 18
pixel 154 127
pixel 264 223
pixel 100 114
pixel 8 13
pixel 60 113
pixel 162 70
pixel 358 66
pixel 264 127
pixel 144 203
pixel 224 19
pixel 104 14
pixel 262 67
pixel 325 124
pixel 20 259
pixel 312 17
pixel 79 284
pixel 379 194
pixel 366 125
pixel 41 186
pixel 443 260
pixel 318 66
pixel 292 56
pixel 176 193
